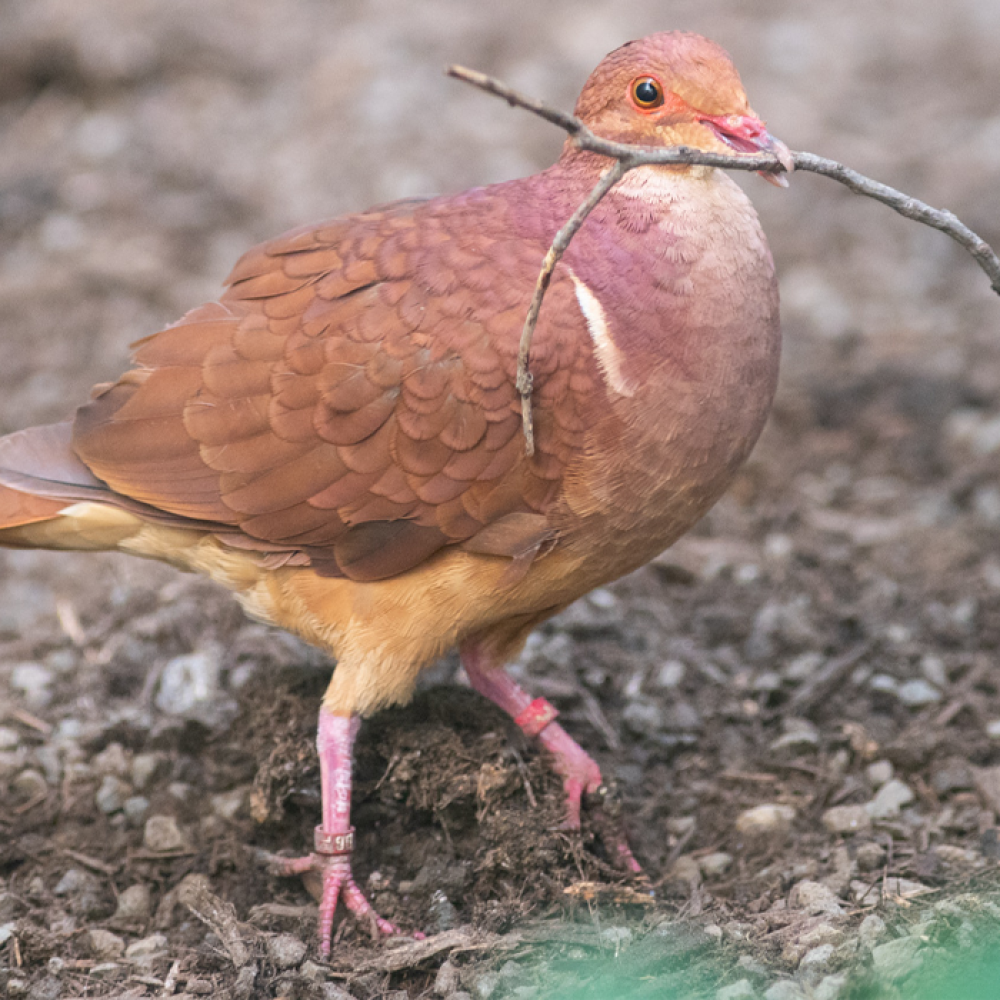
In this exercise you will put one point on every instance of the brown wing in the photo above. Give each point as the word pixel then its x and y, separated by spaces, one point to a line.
pixel 351 397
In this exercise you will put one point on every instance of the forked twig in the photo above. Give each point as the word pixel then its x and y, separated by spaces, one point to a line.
pixel 629 157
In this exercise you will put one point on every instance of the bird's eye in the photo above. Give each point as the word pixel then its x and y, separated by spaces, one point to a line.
pixel 647 92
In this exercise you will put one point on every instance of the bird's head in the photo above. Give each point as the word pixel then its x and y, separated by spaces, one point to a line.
pixel 676 89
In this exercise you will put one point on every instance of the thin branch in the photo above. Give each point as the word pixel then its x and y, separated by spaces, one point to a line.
pixel 910 208
pixel 609 178
pixel 629 157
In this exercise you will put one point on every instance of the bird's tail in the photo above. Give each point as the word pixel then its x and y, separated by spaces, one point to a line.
pixel 50 499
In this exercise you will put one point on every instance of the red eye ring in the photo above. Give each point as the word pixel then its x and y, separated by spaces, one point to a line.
pixel 647 93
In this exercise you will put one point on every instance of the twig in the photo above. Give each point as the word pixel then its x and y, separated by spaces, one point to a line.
pixel 910 208
pixel 629 157
pixel 817 687
pixel 609 178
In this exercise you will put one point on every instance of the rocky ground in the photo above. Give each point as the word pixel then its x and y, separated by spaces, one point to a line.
pixel 799 702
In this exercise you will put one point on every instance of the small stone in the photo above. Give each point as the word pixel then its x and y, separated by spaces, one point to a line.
pixel 785 990
pixel 752 965
pixel 669 675
pixel 226 805
pixel 312 971
pixel 189 686
pixel 830 987
pixel 105 970
pixel 286 951
pixel 993 729
pixel 49 759
pixel 643 717
pixel 76 881
pixel 602 598
pixel 7 931
pixel 765 820
pixel 884 683
pixel 917 693
pixel 34 683
pixel 135 808
pixel 443 914
pixel 111 760
pixel 715 864
pixel 162 834
pixel 10 906
pixel 766 682
pixel 180 790
pixel 815 898
pixel 331 991
pixel 953 776
pixel 817 958
pixel 485 985
pixel 10 763
pixel 934 670
pixel 111 796
pixel 823 933
pixel 804 666
pixel 680 825
pixel 889 800
pixel 800 734
pixel 897 959
pixel 740 990
pixel 846 819
pixel 871 929
pixel 17 987
pixel 510 970
pixel 29 784
pixel 447 980
pixel 686 869
pixel 146 948
pixel 144 768
pixel 10 739
pixel 952 854
pixel 103 944
pixel 135 903
pixel 870 856
pixel 879 772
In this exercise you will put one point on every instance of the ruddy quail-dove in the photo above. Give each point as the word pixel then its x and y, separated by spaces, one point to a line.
pixel 338 439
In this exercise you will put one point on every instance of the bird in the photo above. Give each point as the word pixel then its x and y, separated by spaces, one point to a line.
pixel 338 438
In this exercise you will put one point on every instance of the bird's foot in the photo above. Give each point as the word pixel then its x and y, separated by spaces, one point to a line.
pixel 582 777
pixel 331 860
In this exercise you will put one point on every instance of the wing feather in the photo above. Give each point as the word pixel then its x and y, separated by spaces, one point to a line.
pixel 350 401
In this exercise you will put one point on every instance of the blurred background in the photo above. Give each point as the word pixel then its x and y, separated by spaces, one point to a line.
pixel 145 144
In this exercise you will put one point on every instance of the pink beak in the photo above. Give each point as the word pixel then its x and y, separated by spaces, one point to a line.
pixel 747 134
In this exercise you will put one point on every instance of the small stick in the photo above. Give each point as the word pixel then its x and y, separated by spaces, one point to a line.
pixel 609 178
pixel 629 157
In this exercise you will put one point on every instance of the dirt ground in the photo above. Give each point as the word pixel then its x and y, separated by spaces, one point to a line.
pixel 799 703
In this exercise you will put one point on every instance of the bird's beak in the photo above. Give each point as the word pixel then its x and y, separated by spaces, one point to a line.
pixel 747 134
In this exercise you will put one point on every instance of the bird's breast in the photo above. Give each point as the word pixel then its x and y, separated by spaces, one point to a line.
pixel 683 314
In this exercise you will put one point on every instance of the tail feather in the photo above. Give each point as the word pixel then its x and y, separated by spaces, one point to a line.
pixel 18 509
pixel 50 499
pixel 41 478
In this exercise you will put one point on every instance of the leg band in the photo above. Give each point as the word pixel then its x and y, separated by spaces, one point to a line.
pixel 536 717
pixel 333 843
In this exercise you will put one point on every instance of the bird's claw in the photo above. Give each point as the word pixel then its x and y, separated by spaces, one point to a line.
pixel 608 811
pixel 332 864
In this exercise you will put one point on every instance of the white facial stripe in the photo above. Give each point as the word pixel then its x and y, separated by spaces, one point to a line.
pixel 605 349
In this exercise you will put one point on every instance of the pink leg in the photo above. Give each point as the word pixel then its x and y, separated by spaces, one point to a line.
pixel 334 839
pixel 573 764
